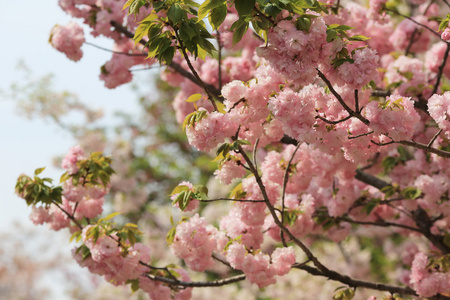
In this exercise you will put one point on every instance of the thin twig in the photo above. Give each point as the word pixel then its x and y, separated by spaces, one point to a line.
pixel 424 147
pixel 434 138
pixel 441 70
pixel 115 52
pixel 333 122
pixel 220 60
pixel 219 282
pixel 360 135
pixel 380 223
pixel 191 67
pixel 229 199
pixel 414 21
pixel 68 215
pixel 283 193
pixel 173 65
pixel 341 101
pixel 254 154
pixel 357 102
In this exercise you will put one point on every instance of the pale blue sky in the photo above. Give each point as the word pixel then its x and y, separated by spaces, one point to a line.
pixel 27 145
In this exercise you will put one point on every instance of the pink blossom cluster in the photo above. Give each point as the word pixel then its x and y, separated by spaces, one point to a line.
pixel 193 203
pixel 358 73
pixel 207 133
pixel 402 35
pixel 426 282
pixel 70 161
pixel 53 216
pixel 97 14
pixel 234 225
pixel 194 242
pixel 410 73
pixel 396 119
pixel 294 53
pixel 107 258
pixel 434 57
pixel 68 39
pixel 116 71
pixel 158 291
pixel 296 111
pixel 260 268
pixel 439 109
pixel 232 168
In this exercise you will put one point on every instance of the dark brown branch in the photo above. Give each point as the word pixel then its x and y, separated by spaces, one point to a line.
pixel 357 102
pixel 228 199
pixel 424 223
pixel 359 283
pixel 333 122
pixel 341 101
pixel 115 52
pixel 173 65
pixel 260 14
pixel 371 179
pixel 359 135
pixel 380 223
pixel 71 217
pixel 414 21
pixel 434 138
pixel 441 70
pixel 219 282
pixel 424 147
pixel 412 41
pixel 277 221
pixel 283 193
pixel 191 67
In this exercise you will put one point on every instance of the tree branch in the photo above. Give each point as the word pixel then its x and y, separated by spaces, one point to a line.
pixel 341 101
pixel 173 65
pixel 219 282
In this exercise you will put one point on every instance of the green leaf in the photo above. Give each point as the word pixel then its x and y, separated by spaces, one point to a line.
pixel 444 23
pixel 176 14
pixel 134 285
pixel 179 189
pixel 171 235
pixel 217 16
pixel 272 10
pixel 331 35
pixel 239 31
pixel 359 38
pixel 194 97
pixel 303 24
pixel 411 193
pixel 346 294
pixel 369 207
pixel 389 163
pixel 39 171
pixel 206 6
pixel 389 190
pixel 75 235
pixel 128 3
pixel 167 55
pixel 244 7
pixel 109 217
pixel 304 3
pixel 131 238
pixel 339 27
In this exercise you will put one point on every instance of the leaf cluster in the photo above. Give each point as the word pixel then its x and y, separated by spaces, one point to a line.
pixel 94 171
pixel 38 190
pixel 184 195
pixel 390 162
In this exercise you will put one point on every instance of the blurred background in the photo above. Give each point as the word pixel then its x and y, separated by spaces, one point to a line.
pixel 29 142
